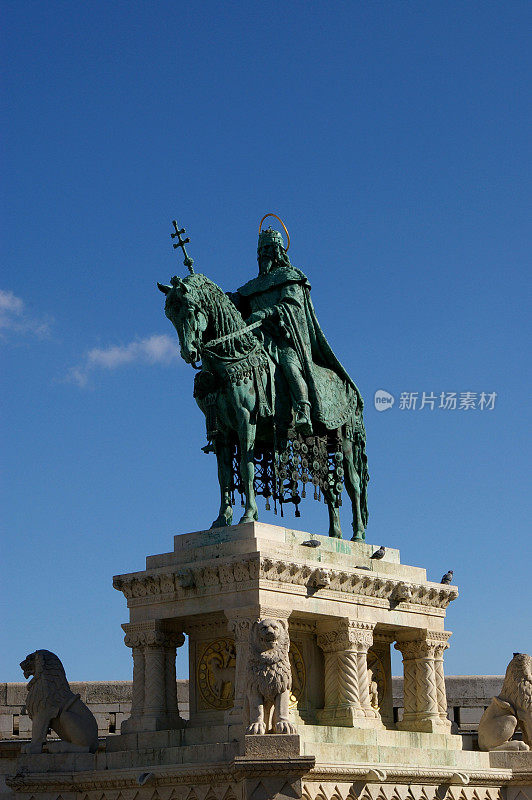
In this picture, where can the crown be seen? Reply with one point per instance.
(269, 236)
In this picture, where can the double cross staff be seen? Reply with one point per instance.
(181, 243)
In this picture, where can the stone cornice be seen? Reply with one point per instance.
(192, 580)
(171, 775)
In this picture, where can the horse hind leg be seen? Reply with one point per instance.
(247, 432)
(352, 485)
(335, 530)
(225, 474)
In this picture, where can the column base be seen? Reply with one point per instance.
(425, 724)
(349, 717)
(152, 722)
(234, 716)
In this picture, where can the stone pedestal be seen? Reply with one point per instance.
(342, 612)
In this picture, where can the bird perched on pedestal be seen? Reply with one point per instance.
(448, 577)
(380, 552)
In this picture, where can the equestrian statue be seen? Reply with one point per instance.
(282, 414)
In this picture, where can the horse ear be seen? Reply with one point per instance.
(164, 289)
(179, 284)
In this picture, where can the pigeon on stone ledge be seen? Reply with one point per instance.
(311, 543)
(448, 577)
(380, 552)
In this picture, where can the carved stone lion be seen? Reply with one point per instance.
(269, 678)
(52, 704)
(510, 709)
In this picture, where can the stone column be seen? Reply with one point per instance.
(239, 624)
(171, 681)
(137, 689)
(345, 644)
(440, 678)
(154, 691)
(424, 685)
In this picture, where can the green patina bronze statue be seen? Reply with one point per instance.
(281, 411)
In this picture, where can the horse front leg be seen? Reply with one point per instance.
(246, 433)
(335, 529)
(225, 474)
(352, 485)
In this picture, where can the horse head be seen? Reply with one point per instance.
(183, 309)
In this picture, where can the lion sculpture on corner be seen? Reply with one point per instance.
(269, 678)
(52, 704)
(512, 708)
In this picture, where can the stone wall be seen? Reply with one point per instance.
(110, 702)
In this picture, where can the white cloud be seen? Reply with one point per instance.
(14, 317)
(155, 349)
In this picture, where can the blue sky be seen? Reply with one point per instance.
(394, 140)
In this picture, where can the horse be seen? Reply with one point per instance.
(245, 400)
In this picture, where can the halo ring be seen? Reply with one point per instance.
(282, 223)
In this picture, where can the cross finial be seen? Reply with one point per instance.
(181, 243)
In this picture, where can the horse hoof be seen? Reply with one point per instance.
(221, 522)
(250, 517)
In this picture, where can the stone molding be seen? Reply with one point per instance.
(397, 791)
(319, 782)
(213, 627)
(142, 588)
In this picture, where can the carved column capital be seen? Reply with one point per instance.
(151, 634)
(425, 645)
(346, 635)
(239, 622)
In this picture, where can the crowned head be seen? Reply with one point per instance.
(271, 251)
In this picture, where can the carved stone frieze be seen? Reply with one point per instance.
(197, 579)
(315, 790)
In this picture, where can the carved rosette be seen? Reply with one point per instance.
(425, 701)
(215, 674)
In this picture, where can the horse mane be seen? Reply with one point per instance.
(224, 317)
